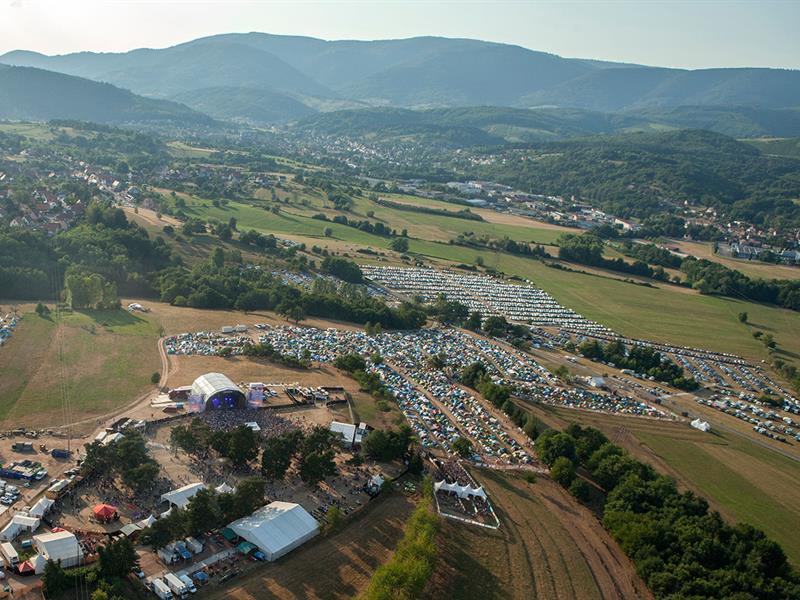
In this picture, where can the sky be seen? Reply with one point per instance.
(678, 33)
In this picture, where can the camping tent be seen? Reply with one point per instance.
(62, 546)
(104, 512)
(462, 491)
(180, 497)
(277, 528)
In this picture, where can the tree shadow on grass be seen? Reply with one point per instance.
(112, 318)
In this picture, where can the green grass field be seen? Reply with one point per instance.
(748, 483)
(108, 359)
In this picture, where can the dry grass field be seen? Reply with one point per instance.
(338, 566)
(547, 547)
(108, 358)
(742, 480)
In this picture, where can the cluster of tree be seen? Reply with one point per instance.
(681, 549)
(669, 225)
(505, 244)
(104, 579)
(475, 375)
(428, 210)
(105, 254)
(710, 277)
(207, 510)
(651, 254)
(207, 285)
(126, 458)
(639, 359)
(343, 268)
(449, 312)
(376, 228)
(368, 381)
(405, 575)
(266, 350)
(387, 445)
(240, 445)
(587, 249)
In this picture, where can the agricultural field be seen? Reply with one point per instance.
(547, 546)
(744, 481)
(109, 357)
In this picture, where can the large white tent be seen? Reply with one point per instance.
(462, 491)
(60, 546)
(180, 497)
(41, 507)
(18, 524)
(277, 528)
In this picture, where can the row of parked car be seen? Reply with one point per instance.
(10, 493)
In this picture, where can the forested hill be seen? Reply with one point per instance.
(641, 174)
(34, 94)
(421, 72)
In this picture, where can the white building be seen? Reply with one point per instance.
(277, 528)
(60, 546)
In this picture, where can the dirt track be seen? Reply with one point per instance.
(547, 547)
(337, 567)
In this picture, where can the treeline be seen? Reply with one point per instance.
(680, 548)
(412, 563)
(639, 359)
(429, 210)
(376, 228)
(505, 244)
(215, 285)
(651, 254)
(587, 249)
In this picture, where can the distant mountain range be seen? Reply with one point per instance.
(265, 78)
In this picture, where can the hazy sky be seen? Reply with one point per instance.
(690, 34)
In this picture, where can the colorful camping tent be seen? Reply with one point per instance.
(104, 512)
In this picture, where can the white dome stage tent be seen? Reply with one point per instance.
(277, 528)
(215, 391)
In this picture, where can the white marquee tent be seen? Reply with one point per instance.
(180, 497)
(462, 491)
(60, 546)
(18, 524)
(277, 528)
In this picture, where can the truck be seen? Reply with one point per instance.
(161, 589)
(195, 545)
(22, 447)
(60, 453)
(187, 581)
(178, 588)
(10, 555)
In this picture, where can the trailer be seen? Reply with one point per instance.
(187, 581)
(176, 585)
(161, 589)
(9, 554)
